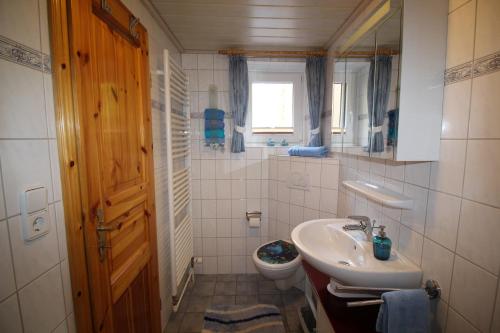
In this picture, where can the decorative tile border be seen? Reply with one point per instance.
(478, 67)
(458, 73)
(487, 64)
(23, 55)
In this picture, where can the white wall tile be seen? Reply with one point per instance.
(205, 61)
(329, 176)
(24, 163)
(34, 298)
(19, 20)
(443, 213)
(484, 116)
(224, 227)
(189, 61)
(205, 79)
(417, 173)
(328, 200)
(207, 169)
(437, 264)
(192, 80)
(221, 80)
(209, 227)
(479, 234)
(461, 35)
(55, 171)
(10, 319)
(254, 169)
(221, 62)
(457, 324)
(447, 174)
(33, 258)
(473, 293)
(66, 281)
(21, 117)
(483, 158)
(238, 264)
(456, 107)
(49, 104)
(209, 209)
(415, 217)
(209, 265)
(7, 283)
(487, 28)
(410, 244)
(209, 246)
(224, 265)
(208, 189)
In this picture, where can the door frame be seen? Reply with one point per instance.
(73, 170)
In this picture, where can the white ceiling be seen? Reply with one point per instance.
(258, 24)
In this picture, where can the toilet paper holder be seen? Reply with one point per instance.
(255, 214)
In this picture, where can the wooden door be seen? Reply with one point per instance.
(111, 84)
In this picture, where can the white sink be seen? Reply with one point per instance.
(347, 256)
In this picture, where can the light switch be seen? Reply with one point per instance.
(35, 213)
(36, 199)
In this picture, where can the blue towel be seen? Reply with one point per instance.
(216, 133)
(404, 311)
(214, 114)
(214, 124)
(308, 151)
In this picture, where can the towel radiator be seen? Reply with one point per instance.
(178, 177)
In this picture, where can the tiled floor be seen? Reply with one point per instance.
(234, 289)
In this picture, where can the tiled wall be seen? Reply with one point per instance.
(33, 274)
(290, 205)
(453, 232)
(227, 185)
(36, 274)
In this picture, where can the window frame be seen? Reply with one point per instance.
(276, 72)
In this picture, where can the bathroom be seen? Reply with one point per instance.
(431, 182)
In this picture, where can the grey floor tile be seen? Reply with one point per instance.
(271, 299)
(225, 288)
(268, 287)
(247, 277)
(246, 299)
(203, 288)
(174, 322)
(192, 322)
(223, 300)
(293, 300)
(246, 288)
(293, 321)
(199, 303)
(205, 277)
(227, 277)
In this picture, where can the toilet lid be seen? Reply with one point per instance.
(277, 252)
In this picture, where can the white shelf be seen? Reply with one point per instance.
(380, 194)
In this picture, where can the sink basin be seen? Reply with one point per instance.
(347, 256)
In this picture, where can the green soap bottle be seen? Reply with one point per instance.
(382, 245)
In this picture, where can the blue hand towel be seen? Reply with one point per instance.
(404, 311)
(216, 133)
(214, 124)
(214, 114)
(308, 151)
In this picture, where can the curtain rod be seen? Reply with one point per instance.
(274, 54)
(364, 54)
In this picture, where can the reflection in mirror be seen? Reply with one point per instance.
(365, 92)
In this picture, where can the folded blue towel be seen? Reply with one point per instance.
(214, 114)
(308, 151)
(217, 133)
(404, 311)
(214, 124)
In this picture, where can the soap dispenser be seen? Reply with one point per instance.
(382, 245)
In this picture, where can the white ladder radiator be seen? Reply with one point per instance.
(178, 177)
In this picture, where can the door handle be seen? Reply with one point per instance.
(102, 229)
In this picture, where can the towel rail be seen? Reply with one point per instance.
(431, 287)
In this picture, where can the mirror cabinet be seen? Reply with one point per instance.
(387, 88)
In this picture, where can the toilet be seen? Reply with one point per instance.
(279, 260)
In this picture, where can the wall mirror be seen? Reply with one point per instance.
(365, 92)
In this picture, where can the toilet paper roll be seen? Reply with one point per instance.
(254, 222)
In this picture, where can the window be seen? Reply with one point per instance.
(272, 107)
(276, 101)
(337, 101)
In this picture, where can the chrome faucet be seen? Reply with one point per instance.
(364, 225)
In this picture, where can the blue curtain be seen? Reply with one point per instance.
(379, 86)
(315, 74)
(238, 100)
